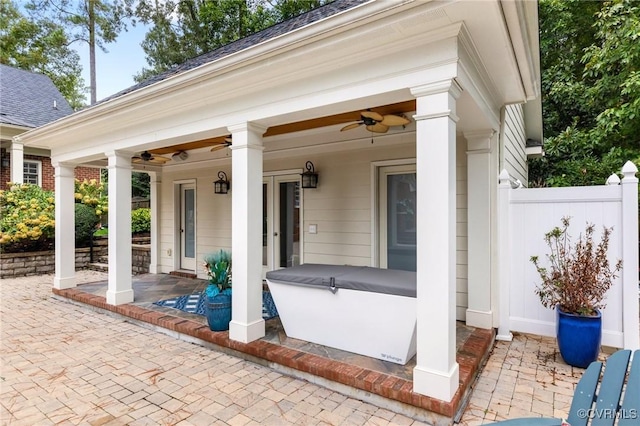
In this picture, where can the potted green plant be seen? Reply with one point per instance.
(574, 283)
(218, 292)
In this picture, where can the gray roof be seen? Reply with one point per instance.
(27, 99)
(287, 26)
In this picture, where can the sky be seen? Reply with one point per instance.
(115, 69)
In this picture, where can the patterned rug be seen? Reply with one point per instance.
(195, 304)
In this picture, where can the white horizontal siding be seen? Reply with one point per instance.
(341, 208)
(514, 143)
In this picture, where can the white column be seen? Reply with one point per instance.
(155, 180)
(17, 160)
(65, 226)
(120, 289)
(247, 324)
(504, 253)
(630, 307)
(481, 192)
(436, 373)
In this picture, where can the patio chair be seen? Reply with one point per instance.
(600, 406)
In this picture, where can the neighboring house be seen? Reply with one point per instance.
(29, 100)
(419, 196)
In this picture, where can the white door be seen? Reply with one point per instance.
(282, 222)
(397, 213)
(188, 227)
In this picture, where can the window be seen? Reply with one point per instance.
(32, 172)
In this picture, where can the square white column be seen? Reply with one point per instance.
(65, 226)
(120, 289)
(155, 180)
(247, 324)
(482, 184)
(629, 275)
(436, 373)
(17, 160)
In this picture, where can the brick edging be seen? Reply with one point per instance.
(385, 385)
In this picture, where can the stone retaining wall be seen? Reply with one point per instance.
(43, 262)
(141, 258)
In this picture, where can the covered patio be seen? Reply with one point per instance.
(382, 383)
(464, 76)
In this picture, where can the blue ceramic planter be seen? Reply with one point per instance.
(579, 337)
(219, 312)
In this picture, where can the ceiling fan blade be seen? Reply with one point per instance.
(136, 159)
(372, 115)
(219, 147)
(394, 120)
(350, 126)
(378, 128)
(159, 160)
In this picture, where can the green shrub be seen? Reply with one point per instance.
(86, 221)
(140, 221)
(27, 219)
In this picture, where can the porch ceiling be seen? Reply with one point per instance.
(314, 123)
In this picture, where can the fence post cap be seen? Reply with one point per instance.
(629, 169)
(504, 176)
(613, 180)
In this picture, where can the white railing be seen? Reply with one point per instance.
(525, 215)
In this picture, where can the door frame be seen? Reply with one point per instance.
(272, 179)
(376, 238)
(177, 237)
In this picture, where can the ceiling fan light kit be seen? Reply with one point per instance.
(180, 156)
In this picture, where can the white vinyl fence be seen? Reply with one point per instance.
(527, 214)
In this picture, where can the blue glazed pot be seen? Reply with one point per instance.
(579, 337)
(219, 312)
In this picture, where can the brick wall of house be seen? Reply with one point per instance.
(48, 180)
(5, 172)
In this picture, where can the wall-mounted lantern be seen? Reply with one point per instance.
(221, 186)
(310, 177)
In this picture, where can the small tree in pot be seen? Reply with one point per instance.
(575, 284)
(218, 292)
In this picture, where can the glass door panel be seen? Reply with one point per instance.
(289, 225)
(397, 212)
(188, 228)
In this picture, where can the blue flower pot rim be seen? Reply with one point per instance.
(569, 314)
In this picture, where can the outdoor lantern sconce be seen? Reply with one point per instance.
(221, 186)
(310, 177)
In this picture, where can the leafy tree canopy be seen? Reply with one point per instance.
(41, 46)
(94, 22)
(590, 58)
(183, 29)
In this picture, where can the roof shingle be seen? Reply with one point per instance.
(29, 99)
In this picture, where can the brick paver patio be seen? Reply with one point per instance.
(64, 364)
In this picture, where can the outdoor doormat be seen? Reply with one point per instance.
(194, 304)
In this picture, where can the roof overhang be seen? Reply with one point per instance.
(9, 131)
(361, 57)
